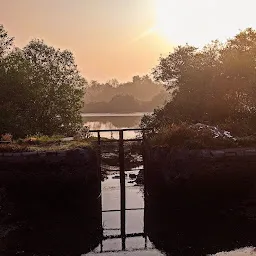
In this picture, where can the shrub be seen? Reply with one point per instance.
(6, 137)
(191, 137)
(83, 133)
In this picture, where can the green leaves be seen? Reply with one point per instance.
(41, 91)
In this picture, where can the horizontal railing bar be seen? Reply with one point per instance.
(128, 209)
(127, 235)
(116, 140)
(126, 170)
(111, 211)
(134, 209)
(128, 250)
(125, 129)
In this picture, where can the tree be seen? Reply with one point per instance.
(216, 84)
(5, 41)
(43, 88)
(113, 82)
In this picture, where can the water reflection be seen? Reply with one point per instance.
(170, 232)
(113, 121)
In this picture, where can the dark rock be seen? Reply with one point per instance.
(132, 176)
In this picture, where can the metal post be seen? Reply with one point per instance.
(145, 184)
(99, 179)
(122, 186)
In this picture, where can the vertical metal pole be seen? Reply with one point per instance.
(100, 190)
(145, 184)
(122, 186)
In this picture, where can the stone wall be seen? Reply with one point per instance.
(49, 202)
(201, 201)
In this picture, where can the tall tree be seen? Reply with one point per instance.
(216, 84)
(42, 91)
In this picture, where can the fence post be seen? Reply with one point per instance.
(122, 186)
(144, 154)
(99, 180)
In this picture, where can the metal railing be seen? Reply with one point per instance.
(123, 208)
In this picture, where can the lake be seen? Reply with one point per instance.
(107, 121)
(134, 196)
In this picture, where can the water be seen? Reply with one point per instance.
(134, 197)
(107, 121)
(134, 218)
(134, 222)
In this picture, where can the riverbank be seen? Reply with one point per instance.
(48, 203)
(201, 201)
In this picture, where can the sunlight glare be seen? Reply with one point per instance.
(166, 20)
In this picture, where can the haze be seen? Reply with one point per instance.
(123, 38)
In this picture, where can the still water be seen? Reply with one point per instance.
(134, 198)
(134, 222)
(107, 121)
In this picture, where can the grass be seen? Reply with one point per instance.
(44, 143)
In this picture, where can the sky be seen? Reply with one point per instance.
(123, 38)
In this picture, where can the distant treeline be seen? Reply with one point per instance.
(141, 94)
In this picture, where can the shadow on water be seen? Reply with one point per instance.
(201, 216)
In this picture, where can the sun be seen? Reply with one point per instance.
(166, 23)
(179, 22)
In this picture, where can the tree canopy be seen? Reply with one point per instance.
(41, 90)
(214, 85)
(5, 41)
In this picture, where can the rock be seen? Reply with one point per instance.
(132, 176)
(140, 178)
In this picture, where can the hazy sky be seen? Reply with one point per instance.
(122, 38)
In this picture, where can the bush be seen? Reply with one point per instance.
(83, 133)
(6, 137)
(191, 137)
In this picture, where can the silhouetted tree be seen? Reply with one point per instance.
(41, 91)
(5, 41)
(215, 85)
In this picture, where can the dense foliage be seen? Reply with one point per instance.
(215, 85)
(41, 89)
